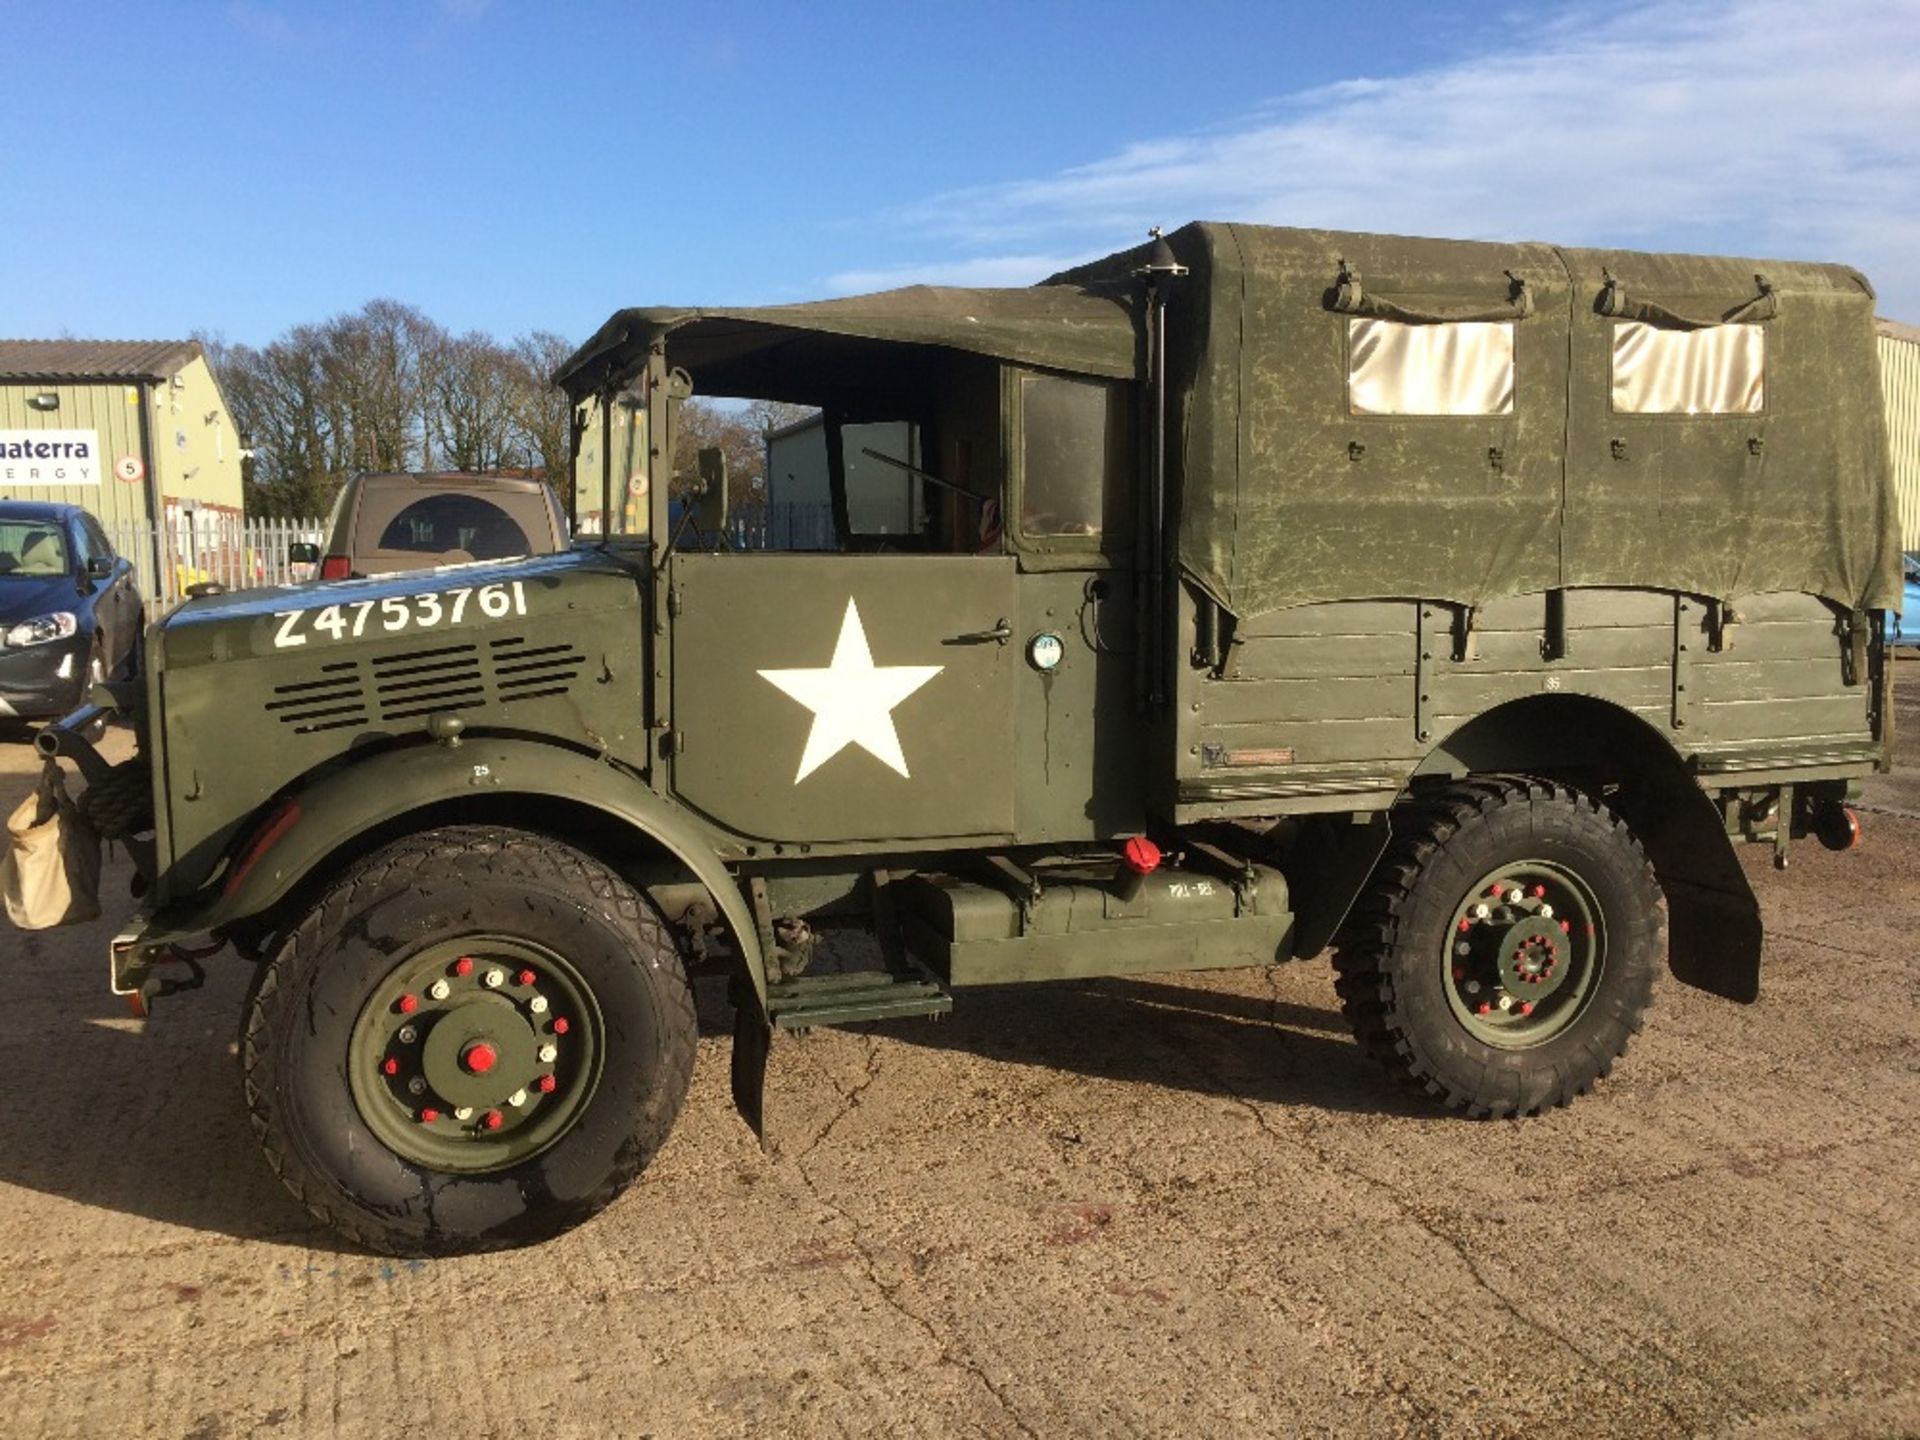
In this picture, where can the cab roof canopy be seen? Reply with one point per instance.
(1292, 491)
(775, 351)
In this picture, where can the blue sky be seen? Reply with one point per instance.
(242, 167)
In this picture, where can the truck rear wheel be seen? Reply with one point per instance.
(1506, 954)
(475, 1040)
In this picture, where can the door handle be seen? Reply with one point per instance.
(1000, 634)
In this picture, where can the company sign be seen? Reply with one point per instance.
(49, 457)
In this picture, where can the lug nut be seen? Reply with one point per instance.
(538, 1004)
(517, 1099)
(546, 1084)
(1473, 987)
(493, 1119)
(1515, 896)
(416, 1086)
(1480, 912)
(429, 1115)
(408, 1034)
(1506, 1002)
(549, 1054)
(560, 1026)
(389, 1067)
(1546, 912)
(439, 990)
(463, 966)
(526, 977)
(495, 979)
(463, 1112)
(409, 1004)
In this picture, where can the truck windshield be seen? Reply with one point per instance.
(610, 484)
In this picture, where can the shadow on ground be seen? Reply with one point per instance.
(145, 1124)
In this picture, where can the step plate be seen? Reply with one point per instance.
(846, 999)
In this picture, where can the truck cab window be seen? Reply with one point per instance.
(1073, 456)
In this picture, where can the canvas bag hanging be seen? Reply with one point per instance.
(50, 873)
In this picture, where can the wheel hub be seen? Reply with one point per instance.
(475, 1055)
(1523, 950)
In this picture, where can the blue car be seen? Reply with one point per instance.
(70, 611)
(1904, 628)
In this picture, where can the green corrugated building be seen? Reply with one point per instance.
(136, 431)
(1900, 378)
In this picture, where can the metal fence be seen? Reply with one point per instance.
(195, 548)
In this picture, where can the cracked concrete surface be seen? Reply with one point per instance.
(1172, 1206)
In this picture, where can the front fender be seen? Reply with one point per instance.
(322, 819)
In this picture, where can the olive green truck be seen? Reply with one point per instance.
(1456, 606)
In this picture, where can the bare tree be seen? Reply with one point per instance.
(541, 409)
(475, 387)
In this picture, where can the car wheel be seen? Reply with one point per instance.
(476, 1039)
(1506, 954)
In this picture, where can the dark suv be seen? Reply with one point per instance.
(383, 524)
(70, 612)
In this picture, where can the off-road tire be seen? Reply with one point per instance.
(1390, 960)
(430, 889)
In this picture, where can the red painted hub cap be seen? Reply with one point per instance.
(480, 1057)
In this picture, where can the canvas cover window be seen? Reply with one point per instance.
(1720, 370)
(1456, 369)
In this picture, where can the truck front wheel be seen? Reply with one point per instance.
(1506, 953)
(476, 1039)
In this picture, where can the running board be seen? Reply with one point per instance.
(845, 999)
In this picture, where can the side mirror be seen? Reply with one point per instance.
(303, 553)
(710, 508)
(100, 567)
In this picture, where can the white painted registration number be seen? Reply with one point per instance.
(399, 612)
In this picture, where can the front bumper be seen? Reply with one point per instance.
(42, 680)
(144, 949)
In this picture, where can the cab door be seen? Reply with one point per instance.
(845, 697)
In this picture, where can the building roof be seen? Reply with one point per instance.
(95, 359)
(1894, 330)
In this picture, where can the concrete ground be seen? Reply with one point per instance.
(1182, 1206)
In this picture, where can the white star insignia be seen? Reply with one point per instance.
(852, 699)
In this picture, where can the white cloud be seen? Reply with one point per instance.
(1766, 127)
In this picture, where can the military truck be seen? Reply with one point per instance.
(1456, 606)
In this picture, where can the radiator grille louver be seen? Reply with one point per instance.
(422, 681)
(415, 684)
(333, 700)
(526, 672)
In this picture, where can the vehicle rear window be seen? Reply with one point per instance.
(458, 524)
(32, 547)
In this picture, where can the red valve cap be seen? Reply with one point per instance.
(463, 966)
(409, 1004)
(492, 1120)
(1142, 855)
(427, 1117)
(560, 1026)
(389, 1067)
(526, 977)
(546, 1084)
(480, 1057)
